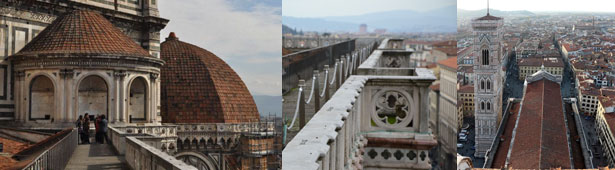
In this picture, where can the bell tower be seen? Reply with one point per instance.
(487, 32)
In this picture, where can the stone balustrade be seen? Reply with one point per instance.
(141, 156)
(309, 42)
(194, 136)
(375, 120)
(166, 133)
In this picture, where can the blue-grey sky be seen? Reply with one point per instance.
(541, 5)
(323, 8)
(244, 33)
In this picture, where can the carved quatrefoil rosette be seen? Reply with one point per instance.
(393, 109)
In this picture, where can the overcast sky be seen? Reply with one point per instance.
(322, 8)
(541, 5)
(244, 33)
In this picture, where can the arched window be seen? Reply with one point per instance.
(488, 105)
(485, 57)
(482, 105)
(482, 84)
(488, 85)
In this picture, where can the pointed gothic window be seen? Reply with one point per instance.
(485, 57)
(482, 105)
(488, 105)
(488, 85)
(482, 84)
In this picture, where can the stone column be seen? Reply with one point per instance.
(120, 97)
(20, 113)
(151, 99)
(424, 109)
(65, 83)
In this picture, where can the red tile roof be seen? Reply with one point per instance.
(11, 147)
(199, 87)
(435, 87)
(82, 32)
(537, 62)
(489, 17)
(450, 63)
(499, 160)
(466, 89)
(540, 138)
(447, 51)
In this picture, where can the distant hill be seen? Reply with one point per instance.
(268, 104)
(494, 12)
(288, 30)
(438, 20)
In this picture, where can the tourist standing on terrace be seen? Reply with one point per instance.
(97, 127)
(86, 129)
(103, 129)
(79, 125)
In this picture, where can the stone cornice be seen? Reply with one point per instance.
(88, 61)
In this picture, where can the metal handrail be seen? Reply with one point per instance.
(57, 156)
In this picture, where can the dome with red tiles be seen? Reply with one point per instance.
(82, 32)
(199, 87)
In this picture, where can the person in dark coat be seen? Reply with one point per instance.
(86, 129)
(97, 127)
(79, 125)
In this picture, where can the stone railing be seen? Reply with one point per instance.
(56, 156)
(375, 120)
(333, 78)
(392, 44)
(323, 143)
(166, 133)
(141, 156)
(309, 42)
(193, 135)
(300, 65)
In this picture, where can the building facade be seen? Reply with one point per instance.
(434, 106)
(487, 32)
(466, 96)
(529, 66)
(448, 112)
(605, 127)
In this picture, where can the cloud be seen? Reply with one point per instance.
(244, 33)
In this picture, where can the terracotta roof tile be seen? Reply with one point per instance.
(82, 32)
(539, 141)
(199, 87)
(466, 89)
(450, 63)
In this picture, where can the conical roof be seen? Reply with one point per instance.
(82, 32)
(199, 87)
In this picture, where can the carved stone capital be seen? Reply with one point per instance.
(153, 76)
(67, 73)
(120, 74)
(20, 74)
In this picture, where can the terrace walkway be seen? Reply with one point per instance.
(96, 156)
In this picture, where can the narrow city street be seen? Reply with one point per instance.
(468, 146)
(513, 87)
